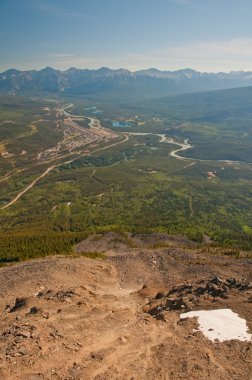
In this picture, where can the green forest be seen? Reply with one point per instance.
(133, 185)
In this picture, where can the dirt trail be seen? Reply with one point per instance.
(10, 174)
(76, 318)
(48, 170)
(28, 188)
(96, 126)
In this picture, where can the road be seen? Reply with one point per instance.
(27, 188)
(95, 124)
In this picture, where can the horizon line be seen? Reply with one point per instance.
(130, 71)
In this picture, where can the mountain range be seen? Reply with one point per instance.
(105, 81)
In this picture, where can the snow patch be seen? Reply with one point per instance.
(222, 324)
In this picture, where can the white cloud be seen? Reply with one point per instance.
(183, 2)
(46, 7)
(241, 47)
(61, 55)
(210, 56)
(213, 56)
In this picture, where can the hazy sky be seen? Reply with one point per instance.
(205, 35)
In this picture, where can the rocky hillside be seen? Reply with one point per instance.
(119, 318)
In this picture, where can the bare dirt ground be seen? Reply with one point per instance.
(118, 318)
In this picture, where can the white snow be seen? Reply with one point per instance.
(221, 324)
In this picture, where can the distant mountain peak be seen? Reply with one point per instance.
(48, 68)
(118, 82)
(104, 70)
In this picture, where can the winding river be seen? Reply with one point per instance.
(183, 146)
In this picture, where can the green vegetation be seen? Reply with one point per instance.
(26, 128)
(135, 186)
(93, 255)
(29, 245)
(218, 123)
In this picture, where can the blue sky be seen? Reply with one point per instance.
(206, 35)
